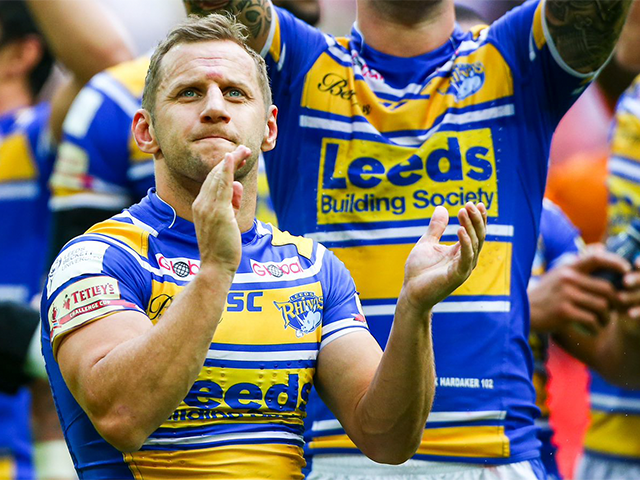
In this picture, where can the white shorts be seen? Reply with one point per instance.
(593, 467)
(359, 467)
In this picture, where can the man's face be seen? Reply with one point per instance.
(208, 102)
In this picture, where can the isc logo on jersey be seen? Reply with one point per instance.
(366, 181)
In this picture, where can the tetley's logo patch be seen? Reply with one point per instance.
(303, 312)
(466, 80)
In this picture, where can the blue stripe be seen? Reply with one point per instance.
(223, 429)
(338, 60)
(253, 365)
(264, 348)
(401, 241)
(200, 446)
(329, 335)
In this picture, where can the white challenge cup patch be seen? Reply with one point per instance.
(79, 259)
(83, 301)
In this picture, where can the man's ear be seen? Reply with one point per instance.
(25, 54)
(270, 130)
(143, 132)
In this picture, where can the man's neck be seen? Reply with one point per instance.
(397, 38)
(14, 96)
(181, 197)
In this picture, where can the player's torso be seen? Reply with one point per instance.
(615, 412)
(243, 417)
(374, 162)
(25, 164)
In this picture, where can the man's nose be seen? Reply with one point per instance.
(215, 107)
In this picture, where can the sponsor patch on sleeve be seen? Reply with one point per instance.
(82, 302)
(79, 259)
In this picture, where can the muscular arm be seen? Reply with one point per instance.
(383, 401)
(586, 31)
(628, 52)
(129, 376)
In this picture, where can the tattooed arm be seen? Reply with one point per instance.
(585, 31)
(256, 15)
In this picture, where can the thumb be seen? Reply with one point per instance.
(437, 226)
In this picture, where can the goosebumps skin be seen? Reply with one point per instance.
(586, 32)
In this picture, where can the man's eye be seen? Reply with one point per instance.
(235, 92)
(189, 93)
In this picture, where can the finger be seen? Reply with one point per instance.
(478, 221)
(467, 224)
(584, 320)
(224, 192)
(629, 298)
(467, 252)
(631, 280)
(239, 156)
(437, 225)
(596, 259)
(598, 306)
(236, 199)
(595, 286)
(483, 211)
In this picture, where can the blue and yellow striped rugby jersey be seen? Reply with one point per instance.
(374, 143)
(559, 242)
(614, 430)
(99, 164)
(243, 417)
(26, 159)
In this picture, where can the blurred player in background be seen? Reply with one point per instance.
(583, 314)
(405, 114)
(27, 150)
(612, 443)
(99, 169)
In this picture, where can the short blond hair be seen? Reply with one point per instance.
(194, 29)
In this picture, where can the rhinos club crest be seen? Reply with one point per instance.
(466, 79)
(303, 312)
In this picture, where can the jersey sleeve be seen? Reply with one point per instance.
(98, 162)
(290, 51)
(89, 280)
(561, 238)
(624, 162)
(342, 309)
(523, 37)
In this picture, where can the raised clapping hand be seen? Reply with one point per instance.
(434, 270)
(214, 214)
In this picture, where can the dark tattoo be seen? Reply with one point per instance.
(254, 14)
(585, 31)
